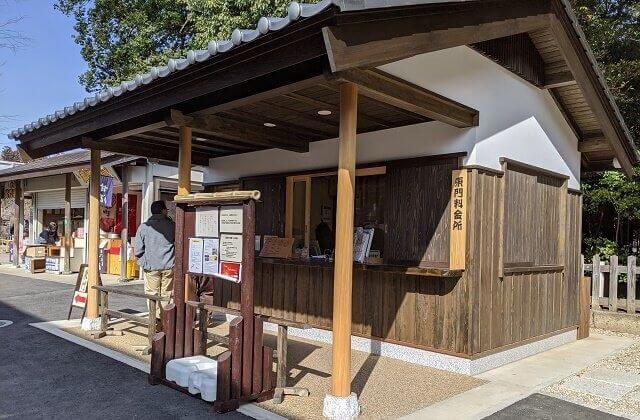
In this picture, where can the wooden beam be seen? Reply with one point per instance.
(556, 80)
(394, 91)
(357, 42)
(137, 130)
(184, 161)
(594, 145)
(203, 138)
(94, 235)
(124, 233)
(166, 140)
(250, 134)
(18, 223)
(137, 148)
(343, 267)
(594, 94)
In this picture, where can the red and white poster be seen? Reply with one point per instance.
(80, 294)
(230, 271)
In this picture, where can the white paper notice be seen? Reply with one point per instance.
(231, 219)
(207, 222)
(211, 259)
(195, 255)
(231, 248)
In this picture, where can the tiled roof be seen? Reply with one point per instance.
(63, 160)
(295, 11)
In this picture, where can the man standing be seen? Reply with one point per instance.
(154, 249)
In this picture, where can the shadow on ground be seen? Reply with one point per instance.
(44, 376)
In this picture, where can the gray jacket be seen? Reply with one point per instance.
(153, 245)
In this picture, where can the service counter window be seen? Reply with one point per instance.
(401, 207)
(311, 211)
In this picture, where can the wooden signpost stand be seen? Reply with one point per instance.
(244, 371)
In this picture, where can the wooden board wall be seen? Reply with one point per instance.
(519, 306)
(418, 211)
(270, 217)
(425, 312)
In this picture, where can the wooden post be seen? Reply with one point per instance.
(184, 161)
(67, 223)
(104, 303)
(613, 283)
(631, 284)
(152, 320)
(247, 299)
(596, 279)
(281, 374)
(18, 223)
(343, 270)
(584, 310)
(94, 234)
(124, 234)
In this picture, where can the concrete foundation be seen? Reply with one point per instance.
(434, 359)
(341, 408)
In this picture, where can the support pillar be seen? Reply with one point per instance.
(124, 233)
(91, 320)
(180, 287)
(343, 404)
(18, 224)
(184, 161)
(67, 223)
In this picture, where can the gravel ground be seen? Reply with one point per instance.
(387, 388)
(625, 362)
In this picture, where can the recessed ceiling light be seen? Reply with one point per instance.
(324, 112)
(268, 124)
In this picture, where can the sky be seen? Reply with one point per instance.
(42, 76)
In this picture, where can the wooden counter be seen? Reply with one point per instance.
(410, 270)
(389, 303)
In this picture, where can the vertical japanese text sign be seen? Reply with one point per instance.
(458, 239)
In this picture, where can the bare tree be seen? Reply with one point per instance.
(11, 40)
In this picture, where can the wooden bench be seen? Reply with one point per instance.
(106, 313)
(280, 354)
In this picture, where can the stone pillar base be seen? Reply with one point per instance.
(341, 408)
(90, 324)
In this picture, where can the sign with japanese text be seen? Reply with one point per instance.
(458, 223)
(106, 191)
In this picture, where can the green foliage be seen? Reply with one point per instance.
(612, 28)
(603, 247)
(611, 200)
(122, 38)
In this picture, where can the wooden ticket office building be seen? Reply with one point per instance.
(458, 130)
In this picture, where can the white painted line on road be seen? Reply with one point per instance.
(5, 323)
(55, 328)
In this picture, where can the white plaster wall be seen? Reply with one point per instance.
(517, 120)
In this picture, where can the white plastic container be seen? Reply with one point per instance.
(179, 370)
(205, 382)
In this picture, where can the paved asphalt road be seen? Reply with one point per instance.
(43, 376)
(543, 407)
